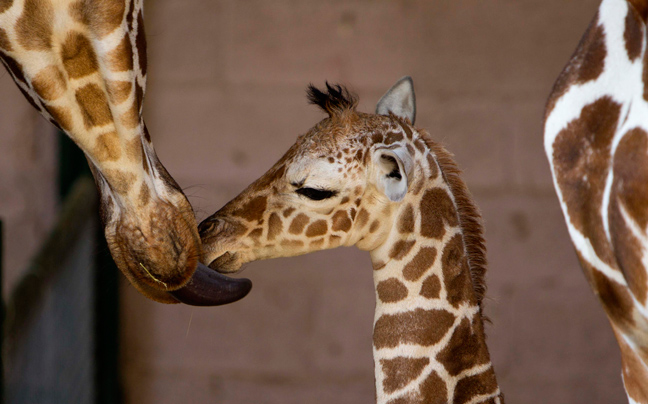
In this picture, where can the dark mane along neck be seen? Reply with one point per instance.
(470, 219)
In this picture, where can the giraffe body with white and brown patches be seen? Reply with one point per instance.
(82, 64)
(596, 139)
(375, 181)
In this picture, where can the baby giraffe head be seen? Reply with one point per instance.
(376, 182)
(340, 184)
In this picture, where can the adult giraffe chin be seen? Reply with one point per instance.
(596, 139)
(82, 64)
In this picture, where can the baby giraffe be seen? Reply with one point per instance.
(377, 182)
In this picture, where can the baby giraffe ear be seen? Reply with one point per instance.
(392, 168)
(399, 100)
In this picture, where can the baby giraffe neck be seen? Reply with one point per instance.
(428, 341)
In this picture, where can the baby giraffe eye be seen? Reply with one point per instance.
(316, 194)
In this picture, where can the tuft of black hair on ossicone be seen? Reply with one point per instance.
(336, 99)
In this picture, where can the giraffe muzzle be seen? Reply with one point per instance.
(209, 288)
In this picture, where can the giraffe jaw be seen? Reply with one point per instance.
(227, 262)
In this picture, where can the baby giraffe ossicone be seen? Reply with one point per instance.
(377, 182)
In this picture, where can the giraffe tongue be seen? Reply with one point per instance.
(209, 288)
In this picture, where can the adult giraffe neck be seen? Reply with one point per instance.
(429, 342)
(83, 65)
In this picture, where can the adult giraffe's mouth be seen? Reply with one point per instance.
(209, 288)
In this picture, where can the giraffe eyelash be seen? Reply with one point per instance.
(316, 194)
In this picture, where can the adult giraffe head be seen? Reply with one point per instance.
(377, 182)
(82, 64)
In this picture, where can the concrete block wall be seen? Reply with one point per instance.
(28, 188)
(226, 99)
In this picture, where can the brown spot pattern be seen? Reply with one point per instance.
(107, 147)
(629, 192)
(410, 149)
(5, 4)
(256, 233)
(480, 384)
(317, 243)
(406, 129)
(102, 16)
(298, 223)
(62, 116)
(119, 91)
(139, 96)
(131, 117)
(434, 390)
(77, 12)
(120, 59)
(317, 228)
(391, 290)
(634, 372)
(615, 298)
(593, 59)
(275, 226)
(374, 226)
(292, 243)
(431, 287)
(253, 209)
(436, 210)
(34, 27)
(418, 326)
(106, 15)
(49, 83)
(4, 40)
(401, 248)
(420, 145)
(433, 166)
(466, 348)
(363, 218)
(134, 150)
(378, 265)
(645, 76)
(288, 212)
(586, 64)
(140, 42)
(78, 56)
(421, 262)
(641, 7)
(401, 371)
(341, 221)
(581, 159)
(334, 240)
(456, 274)
(633, 34)
(406, 220)
(120, 181)
(94, 106)
(393, 137)
(144, 195)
